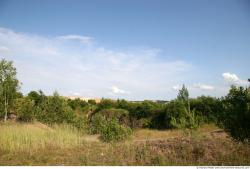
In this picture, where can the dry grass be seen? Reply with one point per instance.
(151, 135)
(23, 137)
(36, 144)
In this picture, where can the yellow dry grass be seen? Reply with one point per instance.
(21, 137)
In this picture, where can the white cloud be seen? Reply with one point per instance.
(177, 87)
(82, 39)
(203, 87)
(50, 63)
(230, 77)
(234, 79)
(116, 90)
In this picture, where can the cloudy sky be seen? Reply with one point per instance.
(133, 49)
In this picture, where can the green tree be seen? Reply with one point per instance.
(237, 113)
(183, 96)
(9, 85)
(178, 113)
(37, 97)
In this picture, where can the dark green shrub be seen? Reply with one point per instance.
(113, 132)
(206, 107)
(237, 113)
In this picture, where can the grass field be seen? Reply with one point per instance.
(38, 144)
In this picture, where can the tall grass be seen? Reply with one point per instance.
(30, 137)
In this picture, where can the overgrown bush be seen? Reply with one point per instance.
(97, 124)
(113, 131)
(25, 109)
(99, 119)
(119, 114)
(237, 113)
(55, 109)
(207, 108)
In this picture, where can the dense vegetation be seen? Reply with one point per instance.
(114, 120)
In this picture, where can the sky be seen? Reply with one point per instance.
(131, 49)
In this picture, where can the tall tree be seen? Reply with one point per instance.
(8, 85)
(183, 96)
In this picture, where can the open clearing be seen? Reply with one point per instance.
(38, 144)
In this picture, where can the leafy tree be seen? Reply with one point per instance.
(237, 113)
(9, 85)
(37, 97)
(183, 96)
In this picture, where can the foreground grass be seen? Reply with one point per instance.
(37, 144)
(16, 137)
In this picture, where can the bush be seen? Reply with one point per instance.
(80, 122)
(113, 131)
(206, 107)
(178, 116)
(119, 114)
(24, 108)
(54, 109)
(237, 113)
(97, 124)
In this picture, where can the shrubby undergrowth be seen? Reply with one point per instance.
(114, 119)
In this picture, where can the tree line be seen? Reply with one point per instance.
(116, 119)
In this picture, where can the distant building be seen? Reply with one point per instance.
(97, 100)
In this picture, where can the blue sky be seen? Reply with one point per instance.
(132, 49)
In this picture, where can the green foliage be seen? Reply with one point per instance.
(207, 108)
(99, 119)
(8, 86)
(183, 94)
(55, 109)
(77, 104)
(37, 97)
(92, 102)
(106, 104)
(97, 124)
(237, 113)
(25, 109)
(80, 122)
(113, 131)
(178, 113)
(119, 114)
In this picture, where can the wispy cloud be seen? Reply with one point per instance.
(51, 63)
(204, 87)
(232, 78)
(4, 49)
(82, 39)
